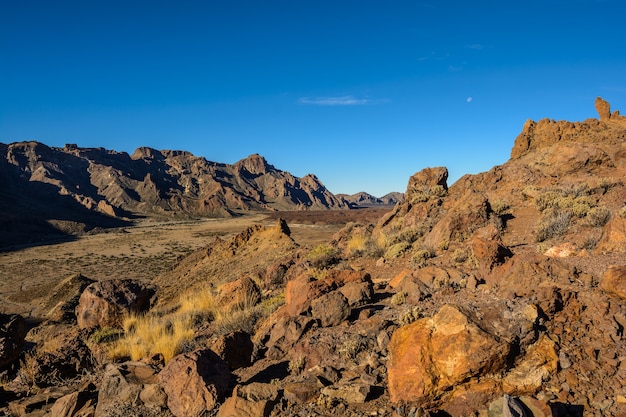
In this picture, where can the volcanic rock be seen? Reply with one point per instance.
(195, 382)
(105, 303)
(433, 354)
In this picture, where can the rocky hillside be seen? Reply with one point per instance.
(363, 199)
(70, 189)
(501, 295)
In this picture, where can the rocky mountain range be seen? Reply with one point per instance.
(503, 294)
(72, 189)
(363, 199)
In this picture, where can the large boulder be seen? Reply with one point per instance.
(432, 355)
(12, 333)
(195, 382)
(106, 303)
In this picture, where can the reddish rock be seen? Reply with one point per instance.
(330, 309)
(106, 303)
(301, 291)
(358, 293)
(411, 285)
(194, 382)
(614, 281)
(235, 348)
(488, 249)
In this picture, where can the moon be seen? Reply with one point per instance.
(469, 99)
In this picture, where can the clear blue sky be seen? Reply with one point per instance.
(361, 93)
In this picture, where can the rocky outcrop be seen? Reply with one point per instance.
(106, 303)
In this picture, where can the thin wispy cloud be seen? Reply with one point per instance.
(476, 46)
(338, 101)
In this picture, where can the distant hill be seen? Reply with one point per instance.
(363, 199)
(72, 189)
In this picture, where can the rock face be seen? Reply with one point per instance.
(194, 382)
(105, 303)
(96, 187)
(12, 333)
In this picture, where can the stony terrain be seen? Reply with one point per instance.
(500, 295)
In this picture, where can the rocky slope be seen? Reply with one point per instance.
(72, 189)
(501, 295)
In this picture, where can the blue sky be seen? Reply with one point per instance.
(361, 93)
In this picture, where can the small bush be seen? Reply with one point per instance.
(396, 250)
(580, 210)
(351, 348)
(105, 335)
(599, 216)
(554, 223)
(622, 212)
(460, 255)
(547, 199)
(420, 257)
(323, 256)
(411, 315)
(296, 365)
(398, 298)
(499, 206)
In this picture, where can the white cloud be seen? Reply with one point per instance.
(338, 101)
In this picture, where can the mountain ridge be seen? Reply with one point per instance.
(96, 187)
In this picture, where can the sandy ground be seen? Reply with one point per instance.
(140, 252)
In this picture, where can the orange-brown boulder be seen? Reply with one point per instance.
(488, 249)
(614, 280)
(301, 291)
(106, 303)
(195, 382)
(431, 355)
